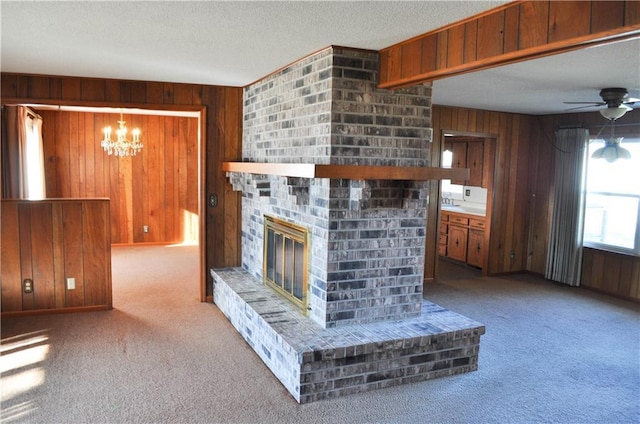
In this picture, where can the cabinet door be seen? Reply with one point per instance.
(442, 245)
(459, 158)
(444, 228)
(475, 157)
(475, 249)
(457, 243)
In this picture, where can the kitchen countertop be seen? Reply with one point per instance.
(463, 209)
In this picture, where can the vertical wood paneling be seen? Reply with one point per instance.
(45, 242)
(511, 29)
(603, 271)
(10, 260)
(491, 35)
(470, 41)
(509, 229)
(96, 252)
(233, 122)
(42, 254)
(455, 46)
(611, 273)
(58, 253)
(73, 247)
(631, 12)
(26, 257)
(172, 202)
(442, 39)
(412, 53)
(534, 28)
(161, 95)
(74, 164)
(141, 188)
(70, 89)
(568, 19)
(606, 15)
(92, 89)
(154, 160)
(429, 54)
(510, 33)
(89, 151)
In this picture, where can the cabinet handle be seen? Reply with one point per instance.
(478, 247)
(457, 242)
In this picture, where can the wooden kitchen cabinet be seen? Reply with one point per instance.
(475, 157)
(442, 245)
(462, 238)
(457, 242)
(468, 154)
(475, 250)
(459, 158)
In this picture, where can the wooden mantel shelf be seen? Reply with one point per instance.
(351, 172)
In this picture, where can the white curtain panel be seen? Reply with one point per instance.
(564, 253)
(22, 155)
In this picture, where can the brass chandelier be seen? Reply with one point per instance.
(121, 146)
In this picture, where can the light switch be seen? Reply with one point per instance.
(71, 283)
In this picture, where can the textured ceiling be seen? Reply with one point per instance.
(207, 42)
(237, 42)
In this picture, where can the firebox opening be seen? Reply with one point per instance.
(285, 260)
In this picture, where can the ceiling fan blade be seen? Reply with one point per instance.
(630, 101)
(584, 107)
(586, 103)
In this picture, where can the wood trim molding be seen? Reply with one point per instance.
(519, 31)
(352, 172)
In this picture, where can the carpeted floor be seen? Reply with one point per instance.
(551, 354)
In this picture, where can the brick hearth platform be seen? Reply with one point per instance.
(315, 363)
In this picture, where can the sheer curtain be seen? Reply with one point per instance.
(564, 252)
(23, 155)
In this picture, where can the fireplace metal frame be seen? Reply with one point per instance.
(298, 234)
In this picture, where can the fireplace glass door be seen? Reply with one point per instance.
(285, 259)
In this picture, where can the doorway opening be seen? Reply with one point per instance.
(155, 196)
(464, 206)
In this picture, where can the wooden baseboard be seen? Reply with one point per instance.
(55, 311)
(145, 243)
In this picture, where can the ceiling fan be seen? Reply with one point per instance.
(616, 99)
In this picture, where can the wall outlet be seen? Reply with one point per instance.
(145, 228)
(512, 255)
(71, 283)
(27, 285)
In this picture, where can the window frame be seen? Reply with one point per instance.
(635, 251)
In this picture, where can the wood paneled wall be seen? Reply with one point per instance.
(157, 188)
(611, 273)
(508, 202)
(514, 32)
(221, 131)
(49, 241)
(601, 270)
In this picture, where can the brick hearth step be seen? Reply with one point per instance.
(315, 363)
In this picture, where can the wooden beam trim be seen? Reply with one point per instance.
(517, 56)
(352, 172)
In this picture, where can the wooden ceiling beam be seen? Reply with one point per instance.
(512, 33)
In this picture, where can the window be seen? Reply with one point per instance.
(613, 200)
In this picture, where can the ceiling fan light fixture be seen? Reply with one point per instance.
(613, 113)
(611, 151)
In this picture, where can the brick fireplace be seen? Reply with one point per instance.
(368, 325)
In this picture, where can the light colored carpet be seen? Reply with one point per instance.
(550, 354)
